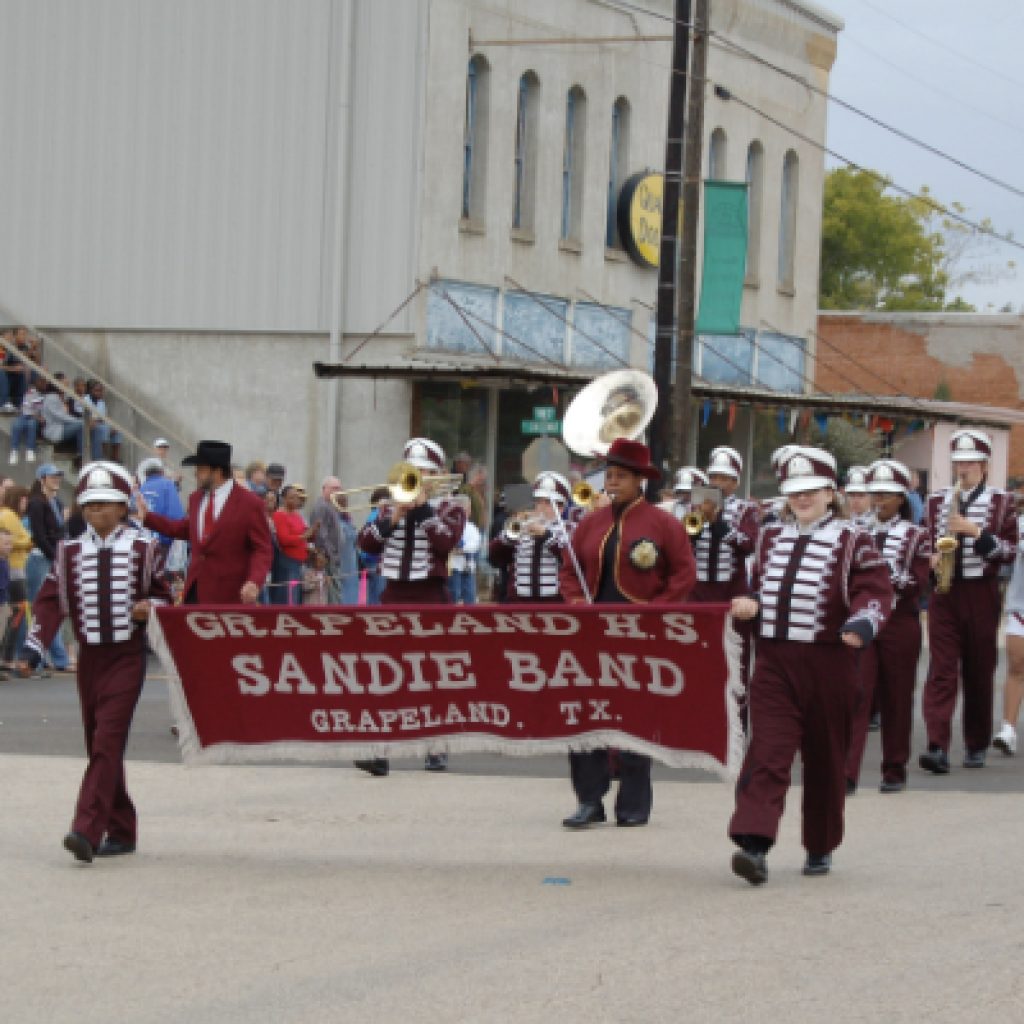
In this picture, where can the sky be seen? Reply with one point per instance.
(948, 73)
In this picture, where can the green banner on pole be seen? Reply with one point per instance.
(725, 257)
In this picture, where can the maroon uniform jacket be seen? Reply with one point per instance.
(96, 585)
(417, 547)
(721, 550)
(991, 509)
(237, 551)
(654, 560)
(906, 551)
(813, 586)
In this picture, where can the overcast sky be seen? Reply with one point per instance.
(950, 74)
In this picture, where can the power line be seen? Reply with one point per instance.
(943, 46)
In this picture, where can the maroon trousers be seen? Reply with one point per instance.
(109, 683)
(802, 698)
(888, 670)
(962, 628)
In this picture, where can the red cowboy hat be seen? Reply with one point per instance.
(634, 456)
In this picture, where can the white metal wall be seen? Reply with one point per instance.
(163, 163)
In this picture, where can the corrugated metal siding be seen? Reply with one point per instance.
(163, 163)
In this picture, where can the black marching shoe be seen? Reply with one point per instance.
(891, 786)
(851, 787)
(818, 864)
(374, 766)
(75, 843)
(586, 814)
(934, 761)
(630, 821)
(974, 759)
(111, 847)
(436, 763)
(750, 865)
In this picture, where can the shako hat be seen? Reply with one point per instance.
(104, 481)
(887, 476)
(970, 445)
(424, 454)
(807, 469)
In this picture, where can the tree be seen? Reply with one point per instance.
(878, 251)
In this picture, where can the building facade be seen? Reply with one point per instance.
(210, 197)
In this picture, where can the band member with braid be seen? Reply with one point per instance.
(858, 500)
(531, 546)
(626, 551)
(1013, 693)
(963, 623)
(889, 665)
(414, 540)
(105, 582)
(822, 592)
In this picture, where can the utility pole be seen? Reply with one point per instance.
(686, 298)
(663, 419)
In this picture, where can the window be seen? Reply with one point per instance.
(526, 153)
(474, 170)
(618, 165)
(462, 317)
(573, 162)
(539, 322)
(716, 155)
(787, 221)
(755, 190)
(601, 336)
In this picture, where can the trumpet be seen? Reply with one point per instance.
(525, 526)
(405, 483)
(693, 522)
(584, 494)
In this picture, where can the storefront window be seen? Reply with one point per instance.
(468, 328)
(453, 416)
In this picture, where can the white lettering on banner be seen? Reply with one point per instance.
(331, 622)
(568, 666)
(658, 685)
(238, 624)
(623, 625)
(377, 663)
(418, 629)
(409, 719)
(570, 709)
(253, 681)
(380, 624)
(340, 672)
(451, 671)
(291, 672)
(527, 674)
(618, 669)
(288, 625)
(679, 627)
(204, 626)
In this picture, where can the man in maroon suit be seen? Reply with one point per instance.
(227, 528)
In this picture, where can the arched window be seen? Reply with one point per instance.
(526, 153)
(618, 168)
(716, 155)
(787, 220)
(474, 168)
(573, 164)
(755, 191)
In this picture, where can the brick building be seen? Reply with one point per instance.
(969, 359)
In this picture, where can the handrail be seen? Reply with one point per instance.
(70, 393)
(161, 429)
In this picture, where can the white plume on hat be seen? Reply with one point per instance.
(726, 461)
(689, 477)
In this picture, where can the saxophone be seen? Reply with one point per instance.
(946, 547)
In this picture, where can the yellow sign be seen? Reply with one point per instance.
(640, 207)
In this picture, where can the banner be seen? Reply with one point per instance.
(725, 257)
(323, 683)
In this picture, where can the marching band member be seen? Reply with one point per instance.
(858, 500)
(889, 665)
(627, 551)
(963, 623)
(823, 592)
(686, 479)
(726, 541)
(777, 510)
(532, 547)
(414, 540)
(105, 582)
(1006, 738)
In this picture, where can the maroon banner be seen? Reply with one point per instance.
(322, 683)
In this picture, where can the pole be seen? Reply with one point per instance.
(667, 263)
(686, 298)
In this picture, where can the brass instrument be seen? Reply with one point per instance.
(616, 404)
(525, 526)
(945, 548)
(693, 522)
(583, 494)
(406, 483)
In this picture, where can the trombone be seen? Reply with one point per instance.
(405, 484)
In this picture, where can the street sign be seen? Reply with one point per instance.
(538, 428)
(545, 412)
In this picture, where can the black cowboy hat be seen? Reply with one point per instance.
(215, 454)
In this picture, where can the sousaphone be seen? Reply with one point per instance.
(616, 404)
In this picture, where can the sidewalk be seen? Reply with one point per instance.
(279, 894)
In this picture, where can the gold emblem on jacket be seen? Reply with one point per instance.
(643, 554)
